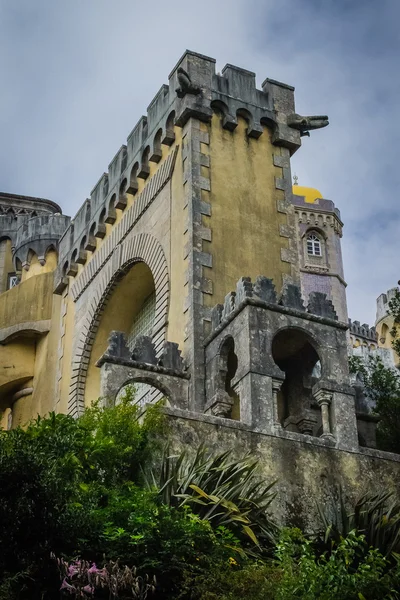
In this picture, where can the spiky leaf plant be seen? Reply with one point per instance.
(375, 516)
(227, 492)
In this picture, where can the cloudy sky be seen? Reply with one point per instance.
(77, 74)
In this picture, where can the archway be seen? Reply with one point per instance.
(135, 248)
(294, 352)
(130, 308)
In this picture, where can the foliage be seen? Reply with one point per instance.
(375, 516)
(382, 385)
(394, 309)
(226, 492)
(81, 579)
(54, 475)
(350, 571)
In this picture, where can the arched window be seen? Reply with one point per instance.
(314, 247)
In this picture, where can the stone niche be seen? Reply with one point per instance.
(165, 374)
(280, 367)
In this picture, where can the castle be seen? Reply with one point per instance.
(196, 271)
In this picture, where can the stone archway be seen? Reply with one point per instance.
(136, 248)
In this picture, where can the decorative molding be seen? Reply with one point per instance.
(136, 248)
(129, 220)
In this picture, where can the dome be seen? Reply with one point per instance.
(310, 194)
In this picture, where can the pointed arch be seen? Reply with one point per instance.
(138, 248)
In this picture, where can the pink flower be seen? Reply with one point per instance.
(88, 589)
(72, 570)
(93, 569)
(67, 586)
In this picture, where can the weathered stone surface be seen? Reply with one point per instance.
(171, 357)
(318, 304)
(144, 350)
(216, 316)
(117, 345)
(244, 289)
(229, 305)
(264, 289)
(291, 297)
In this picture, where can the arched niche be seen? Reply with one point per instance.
(295, 353)
(141, 391)
(228, 366)
(131, 309)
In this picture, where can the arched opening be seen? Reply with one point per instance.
(156, 155)
(131, 309)
(140, 393)
(295, 354)
(133, 182)
(122, 200)
(229, 365)
(111, 213)
(169, 136)
(383, 336)
(315, 248)
(145, 167)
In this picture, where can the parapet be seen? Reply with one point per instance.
(37, 236)
(194, 90)
(382, 303)
(363, 331)
(262, 293)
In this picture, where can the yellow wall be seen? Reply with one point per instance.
(244, 222)
(31, 300)
(17, 361)
(122, 307)
(36, 268)
(385, 339)
(6, 263)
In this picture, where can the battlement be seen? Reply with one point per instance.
(262, 293)
(382, 303)
(38, 235)
(363, 331)
(194, 90)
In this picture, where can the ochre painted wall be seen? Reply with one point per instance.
(122, 307)
(31, 300)
(244, 221)
(6, 263)
(17, 360)
(36, 268)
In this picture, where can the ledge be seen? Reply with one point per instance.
(31, 327)
(27, 304)
(298, 438)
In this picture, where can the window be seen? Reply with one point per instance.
(144, 320)
(13, 280)
(314, 245)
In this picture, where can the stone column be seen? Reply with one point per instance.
(324, 400)
(276, 387)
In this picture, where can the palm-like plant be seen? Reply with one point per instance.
(223, 491)
(376, 516)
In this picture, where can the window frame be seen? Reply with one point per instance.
(314, 243)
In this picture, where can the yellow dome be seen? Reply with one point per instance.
(310, 194)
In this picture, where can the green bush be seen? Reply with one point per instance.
(348, 572)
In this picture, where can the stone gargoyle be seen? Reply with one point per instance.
(186, 85)
(306, 124)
